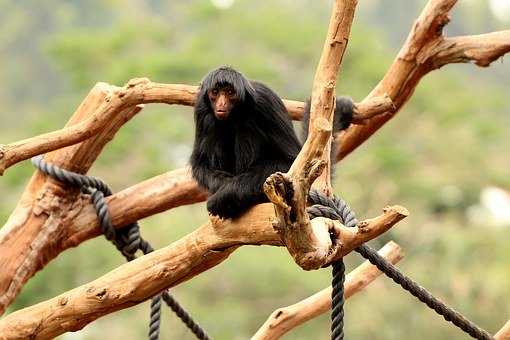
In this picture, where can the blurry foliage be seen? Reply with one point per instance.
(451, 137)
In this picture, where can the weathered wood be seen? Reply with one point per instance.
(138, 280)
(283, 320)
(322, 103)
(310, 246)
(34, 232)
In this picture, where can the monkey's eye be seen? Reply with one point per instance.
(231, 92)
(214, 92)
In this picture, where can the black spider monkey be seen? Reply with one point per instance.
(243, 134)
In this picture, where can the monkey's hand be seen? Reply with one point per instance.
(224, 203)
(231, 201)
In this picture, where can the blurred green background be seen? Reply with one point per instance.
(442, 157)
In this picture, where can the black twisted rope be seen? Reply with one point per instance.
(338, 209)
(324, 206)
(337, 301)
(127, 240)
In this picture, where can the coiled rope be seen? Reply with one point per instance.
(338, 209)
(127, 240)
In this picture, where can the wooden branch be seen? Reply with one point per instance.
(33, 233)
(312, 247)
(282, 320)
(322, 104)
(503, 333)
(371, 108)
(425, 50)
(155, 195)
(136, 281)
(138, 91)
(480, 49)
(322, 241)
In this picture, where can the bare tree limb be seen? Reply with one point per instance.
(481, 49)
(282, 320)
(310, 246)
(322, 104)
(147, 198)
(425, 50)
(136, 92)
(136, 281)
(503, 333)
(33, 233)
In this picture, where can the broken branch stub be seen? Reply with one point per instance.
(289, 196)
(314, 244)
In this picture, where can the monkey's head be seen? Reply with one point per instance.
(223, 99)
(226, 90)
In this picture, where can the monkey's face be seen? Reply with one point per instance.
(223, 99)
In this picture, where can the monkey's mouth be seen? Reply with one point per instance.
(221, 115)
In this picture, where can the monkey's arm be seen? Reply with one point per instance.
(210, 179)
(244, 190)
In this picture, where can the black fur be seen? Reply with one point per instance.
(232, 158)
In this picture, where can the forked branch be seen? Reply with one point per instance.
(311, 245)
(136, 281)
(425, 50)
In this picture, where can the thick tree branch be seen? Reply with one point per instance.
(152, 196)
(425, 50)
(33, 233)
(287, 318)
(309, 245)
(139, 91)
(136, 281)
(481, 49)
(322, 104)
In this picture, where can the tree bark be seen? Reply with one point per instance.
(138, 280)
